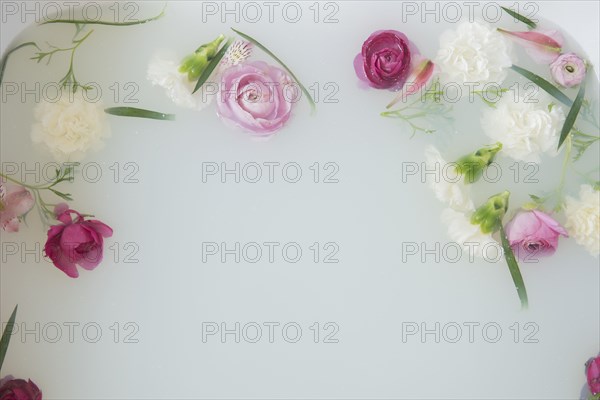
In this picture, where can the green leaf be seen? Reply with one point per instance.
(513, 267)
(520, 17)
(6, 335)
(139, 113)
(78, 22)
(8, 53)
(544, 85)
(572, 116)
(64, 196)
(212, 65)
(263, 48)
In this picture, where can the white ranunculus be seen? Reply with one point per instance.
(583, 218)
(474, 52)
(165, 73)
(469, 236)
(526, 127)
(447, 185)
(70, 126)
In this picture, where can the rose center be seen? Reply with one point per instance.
(570, 68)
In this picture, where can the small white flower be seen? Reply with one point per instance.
(525, 126)
(469, 236)
(165, 73)
(583, 218)
(474, 52)
(447, 185)
(236, 54)
(70, 126)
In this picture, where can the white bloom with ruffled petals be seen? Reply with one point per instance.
(447, 185)
(583, 218)
(469, 236)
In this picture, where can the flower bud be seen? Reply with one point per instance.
(489, 215)
(472, 165)
(194, 64)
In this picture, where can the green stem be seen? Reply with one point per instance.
(561, 186)
(8, 53)
(83, 21)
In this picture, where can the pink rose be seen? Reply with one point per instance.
(257, 97)
(75, 242)
(19, 389)
(15, 201)
(592, 371)
(384, 62)
(568, 70)
(533, 233)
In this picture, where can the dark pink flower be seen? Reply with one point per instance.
(76, 241)
(19, 389)
(15, 201)
(533, 233)
(592, 371)
(384, 62)
(257, 97)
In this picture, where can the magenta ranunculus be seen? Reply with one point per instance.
(568, 70)
(19, 389)
(15, 201)
(257, 97)
(76, 241)
(533, 233)
(384, 62)
(592, 372)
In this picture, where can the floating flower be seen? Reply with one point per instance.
(583, 218)
(15, 201)
(76, 241)
(446, 183)
(257, 97)
(543, 47)
(385, 60)
(473, 53)
(236, 54)
(592, 372)
(525, 127)
(489, 215)
(533, 233)
(194, 64)
(422, 70)
(19, 389)
(468, 235)
(568, 70)
(472, 165)
(165, 73)
(70, 126)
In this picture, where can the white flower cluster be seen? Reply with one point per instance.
(583, 218)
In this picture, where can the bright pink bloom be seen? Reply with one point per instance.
(568, 70)
(15, 201)
(533, 233)
(422, 70)
(385, 60)
(257, 97)
(76, 241)
(592, 371)
(543, 47)
(19, 389)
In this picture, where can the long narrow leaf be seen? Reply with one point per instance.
(263, 48)
(139, 113)
(520, 17)
(8, 53)
(89, 22)
(572, 115)
(212, 65)
(4, 342)
(544, 85)
(513, 267)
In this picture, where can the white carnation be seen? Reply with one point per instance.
(469, 236)
(447, 185)
(165, 73)
(526, 127)
(70, 126)
(583, 218)
(474, 52)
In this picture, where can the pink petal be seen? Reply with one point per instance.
(544, 48)
(551, 223)
(92, 258)
(422, 72)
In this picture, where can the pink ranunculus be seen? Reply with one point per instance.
(257, 97)
(76, 241)
(533, 233)
(15, 201)
(385, 60)
(568, 70)
(19, 389)
(592, 372)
